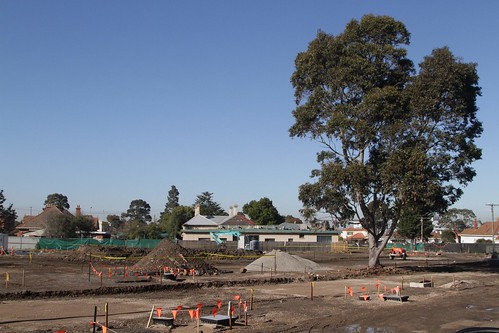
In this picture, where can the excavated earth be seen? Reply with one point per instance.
(59, 291)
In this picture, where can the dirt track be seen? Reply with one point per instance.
(465, 294)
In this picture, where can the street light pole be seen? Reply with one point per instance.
(493, 226)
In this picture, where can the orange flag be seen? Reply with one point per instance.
(219, 304)
(381, 296)
(214, 311)
(237, 297)
(191, 313)
(158, 311)
(179, 307)
(366, 297)
(174, 314)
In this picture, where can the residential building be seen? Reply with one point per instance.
(486, 231)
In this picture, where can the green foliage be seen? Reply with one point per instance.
(115, 223)
(208, 206)
(84, 224)
(483, 241)
(391, 137)
(139, 210)
(64, 226)
(60, 226)
(134, 223)
(448, 236)
(59, 200)
(457, 219)
(173, 222)
(172, 201)
(409, 225)
(8, 216)
(263, 212)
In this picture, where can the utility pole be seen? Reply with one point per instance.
(493, 226)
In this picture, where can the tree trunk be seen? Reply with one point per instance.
(375, 250)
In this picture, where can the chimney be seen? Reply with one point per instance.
(234, 210)
(197, 210)
(78, 210)
(230, 211)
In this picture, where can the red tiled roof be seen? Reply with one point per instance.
(239, 219)
(357, 236)
(484, 230)
(354, 229)
(40, 221)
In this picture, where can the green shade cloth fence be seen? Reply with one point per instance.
(72, 244)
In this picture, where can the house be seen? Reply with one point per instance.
(354, 235)
(35, 225)
(485, 231)
(201, 228)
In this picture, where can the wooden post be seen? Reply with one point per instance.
(402, 284)
(251, 298)
(106, 314)
(230, 315)
(345, 292)
(94, 324)
(312, 291)
(24, 280)
(150, 317)
(89, 268)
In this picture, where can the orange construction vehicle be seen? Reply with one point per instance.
(398, 252)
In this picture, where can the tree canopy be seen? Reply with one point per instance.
(456, 220)
(390, 137)
(208, 206)
(172, 200)
(57, 199)
(139, 210)
(263, 212)
(8, 216)
(173, 222)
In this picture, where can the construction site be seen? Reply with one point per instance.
(174, 289)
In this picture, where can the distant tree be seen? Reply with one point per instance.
(152, 231)
(57, 199)
(457, 220)
(173, 198)
(448, 236)
(135, 229)
(292, 219)
(173, 222)
(208, 206)
(263, 212)
(388, 136)
(83, 224)
(409, 225)
(115, 223)
(60, 226)
(8, 216)
(139, 210)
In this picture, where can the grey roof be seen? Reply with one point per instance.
(202, 220)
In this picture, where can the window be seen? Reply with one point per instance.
(302, 235)
(269, 239)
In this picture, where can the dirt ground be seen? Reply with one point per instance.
(51, 294)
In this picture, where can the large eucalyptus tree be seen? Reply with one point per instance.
(391, 136)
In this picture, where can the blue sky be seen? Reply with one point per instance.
(111, 101)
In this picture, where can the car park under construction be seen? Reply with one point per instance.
(121, 291)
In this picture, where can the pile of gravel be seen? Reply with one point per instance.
(279, 261)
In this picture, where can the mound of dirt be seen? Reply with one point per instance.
(279, 261)
(107, 254)
(176, 258)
